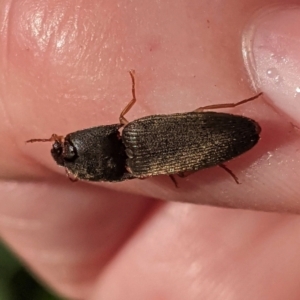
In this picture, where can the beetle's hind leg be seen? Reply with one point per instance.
(227, 105)
(174, 180)
(186, 174)
(230, 173)
(127, 108)
(182, 175)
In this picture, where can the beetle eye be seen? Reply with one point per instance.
(57, 148)
(57, 152)
(70, 152)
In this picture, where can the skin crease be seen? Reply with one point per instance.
(64, 67)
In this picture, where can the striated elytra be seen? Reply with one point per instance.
(171, 144)
(179, 143)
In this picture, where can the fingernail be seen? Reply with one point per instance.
(271, 48)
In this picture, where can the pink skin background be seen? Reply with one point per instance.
(64, 67)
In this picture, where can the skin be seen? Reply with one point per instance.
(64, 67)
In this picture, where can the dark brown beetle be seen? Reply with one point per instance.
(159, 144)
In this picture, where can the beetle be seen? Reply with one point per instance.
(180, 143)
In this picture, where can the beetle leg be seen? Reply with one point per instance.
(71, 176)
(127, 108)
(227, 105)
(230, 173)
(186, 174)
(174, 180)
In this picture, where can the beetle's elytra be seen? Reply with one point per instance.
(158, 144)
(164, 144)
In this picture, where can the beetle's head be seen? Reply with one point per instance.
(62, 149)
